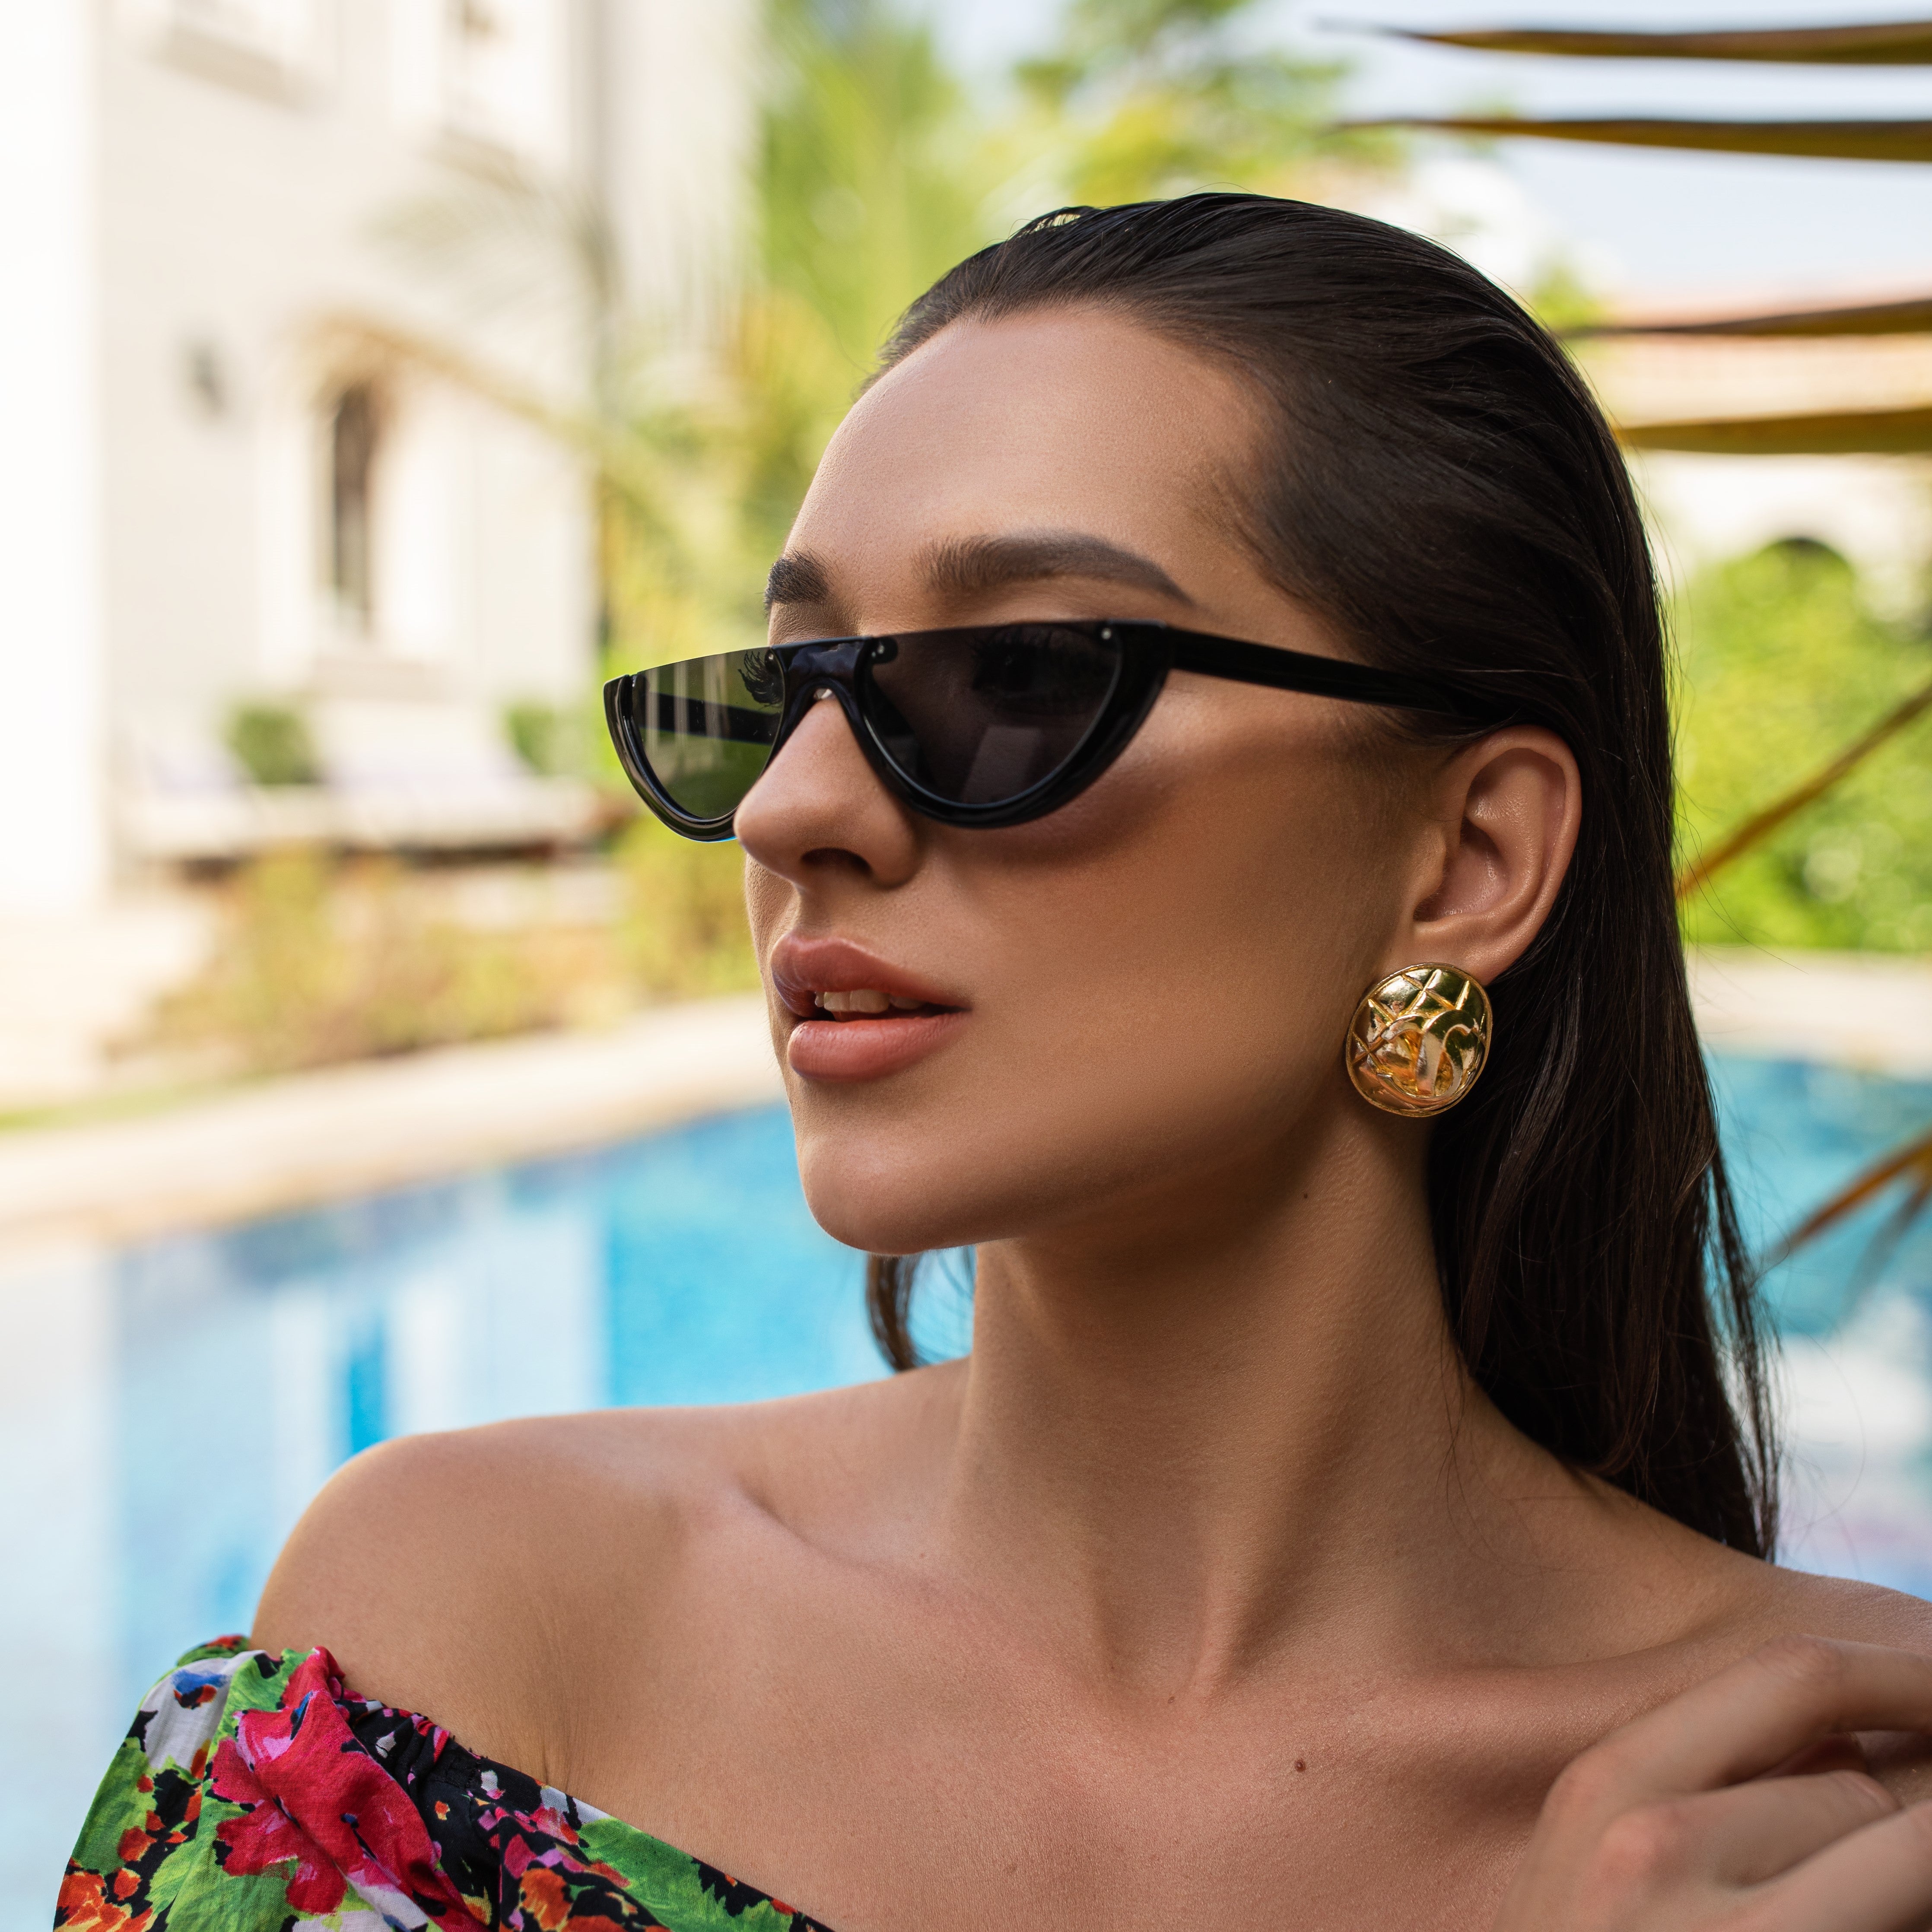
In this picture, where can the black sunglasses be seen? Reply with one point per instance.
(989, 725)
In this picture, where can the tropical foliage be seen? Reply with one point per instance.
(1781, 663)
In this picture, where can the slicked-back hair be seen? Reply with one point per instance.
(1437, 484)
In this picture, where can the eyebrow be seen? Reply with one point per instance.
(798, 578)
(972, 566)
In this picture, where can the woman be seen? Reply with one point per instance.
(1343, 1517)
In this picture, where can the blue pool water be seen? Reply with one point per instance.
(683, 1268)
(172, 1406)
(1853, 1310)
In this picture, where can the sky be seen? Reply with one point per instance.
(1646, 229)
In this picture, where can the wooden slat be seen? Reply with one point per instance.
(1886, 43)
(1826, 140)
(1837, 433)
(1912, 315)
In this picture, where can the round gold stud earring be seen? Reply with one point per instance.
(1419, 1040)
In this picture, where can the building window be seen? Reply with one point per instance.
(501, 68)
(279, 31)
(354, 432)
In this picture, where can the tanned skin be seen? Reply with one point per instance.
(1208, 1590)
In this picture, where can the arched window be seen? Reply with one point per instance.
(503, 73)
(354, 429)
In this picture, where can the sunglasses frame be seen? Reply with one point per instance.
(1148, 652)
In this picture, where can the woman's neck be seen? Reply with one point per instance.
(1200, 1429)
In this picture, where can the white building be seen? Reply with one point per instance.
(215, 492)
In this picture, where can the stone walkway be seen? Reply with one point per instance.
(343, 1131)
(1865, 1009)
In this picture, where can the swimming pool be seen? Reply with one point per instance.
(1854, 1311)
(172, 1406)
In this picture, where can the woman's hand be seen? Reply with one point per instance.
(1699, 1816)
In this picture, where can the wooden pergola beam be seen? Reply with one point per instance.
(1884, 43)
(1863, 140)
(1833, 433)
(1911, 315)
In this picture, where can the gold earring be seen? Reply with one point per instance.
(1419, 1039)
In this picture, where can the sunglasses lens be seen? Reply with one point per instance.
(706, 726)
(982, 716)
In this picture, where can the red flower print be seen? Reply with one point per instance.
(341, 1801)
(233, 1779)
(265, 1836)
(545, 1897)
(85, 1907)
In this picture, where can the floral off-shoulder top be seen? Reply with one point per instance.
(253, 1794)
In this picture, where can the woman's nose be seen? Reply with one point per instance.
(819, 810)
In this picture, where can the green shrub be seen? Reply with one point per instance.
(547, 740)
(323, 960)
(685, 931)
(271, 742)
(1782, 664)
(320, 961)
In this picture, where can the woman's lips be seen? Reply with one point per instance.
(866, 1049)
(803, 968)
(863, 1043)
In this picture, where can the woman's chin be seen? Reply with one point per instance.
(878, 1227)
(892, 1208)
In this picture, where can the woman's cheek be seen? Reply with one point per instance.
(765, 897)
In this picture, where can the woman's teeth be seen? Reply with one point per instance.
(864, 1000)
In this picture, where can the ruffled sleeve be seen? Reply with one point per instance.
(252, 1792)
(239, 1799)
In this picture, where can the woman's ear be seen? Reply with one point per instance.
(1508, 809)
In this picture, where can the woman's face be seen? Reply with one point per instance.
(1150, 987)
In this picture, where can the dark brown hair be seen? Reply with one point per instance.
(1440, 487)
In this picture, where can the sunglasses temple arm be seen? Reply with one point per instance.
(1283, 670)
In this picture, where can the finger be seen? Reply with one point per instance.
(1839, 1753)
(1878, 1879)
(1752, 1832)
(1761, 1711)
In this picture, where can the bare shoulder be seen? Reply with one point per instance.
(1794, 1602)
(466, 1575)
(1787, 1604)
(440, 1570)
(1711, 1604)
